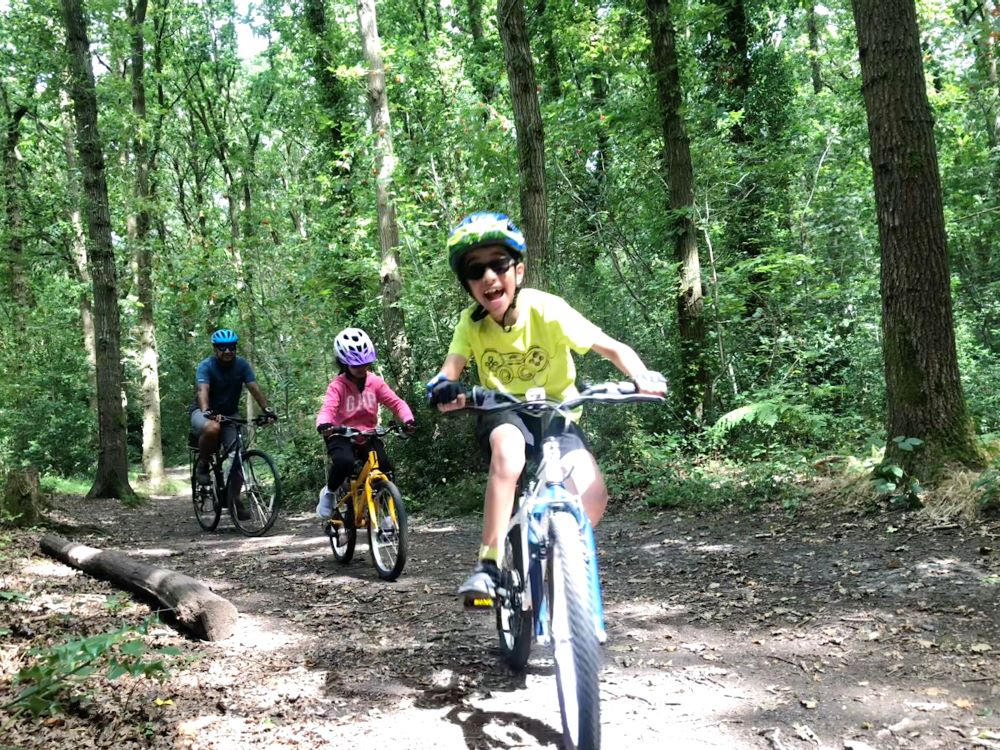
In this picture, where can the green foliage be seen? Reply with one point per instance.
(988, 486)
(890, 481)
(58, 675)
(265, 220)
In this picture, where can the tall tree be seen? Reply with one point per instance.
(530, 135)
(545, 26)
(330, 88)
(138, 233)
(924, 397)
(76, 245)
(112, 459)
(814, 54)
(479, 60)
(14, 112)
(388, 230)
(679, 175)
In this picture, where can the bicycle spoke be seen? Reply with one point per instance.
(387, 532)
(259, 496)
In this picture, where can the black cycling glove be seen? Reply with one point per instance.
(446, 391)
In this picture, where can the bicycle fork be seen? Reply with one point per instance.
(538, 553)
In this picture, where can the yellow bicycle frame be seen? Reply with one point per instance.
(360, 492)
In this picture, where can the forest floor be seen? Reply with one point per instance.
(827, 628)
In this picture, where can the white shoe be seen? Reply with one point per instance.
(325, 507)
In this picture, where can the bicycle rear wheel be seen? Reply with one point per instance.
(514, 624)
(577, 650)
(343, 544)
(387, 532)
(260, 494)
(207, 509)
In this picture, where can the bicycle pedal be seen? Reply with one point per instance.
(479, 601)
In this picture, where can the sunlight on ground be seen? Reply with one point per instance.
(261, 634)
(47, 569)
(156, 552)
(438, 529)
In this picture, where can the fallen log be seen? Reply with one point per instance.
(205, 614)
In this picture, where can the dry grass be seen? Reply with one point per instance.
(955, 498)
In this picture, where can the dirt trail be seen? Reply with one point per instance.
(726, 631)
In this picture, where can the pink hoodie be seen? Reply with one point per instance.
(345, 406)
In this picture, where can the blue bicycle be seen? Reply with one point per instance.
(552, 594)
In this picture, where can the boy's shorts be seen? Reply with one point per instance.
(570, 436)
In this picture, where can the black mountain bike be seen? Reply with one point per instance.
(249, 487)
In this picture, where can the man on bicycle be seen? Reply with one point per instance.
(219, 382)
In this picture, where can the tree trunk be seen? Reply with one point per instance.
(545, 27)
(481, 59)
(20, 291)
(814, 63)
(530, 136)
(923, 389)
(679, 173)
(388, 232)
(22, 498)
(138, 233)
(331, 92)
(207, 615)
(78, 249)
(112, 458)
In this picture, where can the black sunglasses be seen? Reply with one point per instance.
(225, 347)
(499, 266)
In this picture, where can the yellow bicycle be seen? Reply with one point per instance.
(370, 500)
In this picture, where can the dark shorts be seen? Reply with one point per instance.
(570, 436)
(198, 422)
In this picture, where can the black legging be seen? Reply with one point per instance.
(342, 452)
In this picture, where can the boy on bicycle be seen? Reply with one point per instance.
(352, 400)
(520, 339)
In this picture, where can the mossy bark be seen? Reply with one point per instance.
(924, 397)
(22, 498)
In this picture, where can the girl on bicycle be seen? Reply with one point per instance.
(352, 400)
(520, 339)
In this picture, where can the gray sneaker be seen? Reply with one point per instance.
(480, 588)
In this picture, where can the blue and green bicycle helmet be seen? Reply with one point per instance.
(481, 229)
(224, 336)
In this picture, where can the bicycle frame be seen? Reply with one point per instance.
(546, 494)
(360, 489)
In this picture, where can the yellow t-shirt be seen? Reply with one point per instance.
(535, 352)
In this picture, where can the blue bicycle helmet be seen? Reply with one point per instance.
(224, 336)
(484, 228)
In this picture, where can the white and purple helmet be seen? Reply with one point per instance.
(353, 347)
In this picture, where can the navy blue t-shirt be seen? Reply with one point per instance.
(225, 384)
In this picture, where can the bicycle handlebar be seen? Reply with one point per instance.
(484, 399)
(260, 420)
(379, 431)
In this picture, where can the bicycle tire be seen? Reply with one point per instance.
(515, 625)
(260, 494)
(387, 532)
(205, 498)
(577, 650)
(344, 553)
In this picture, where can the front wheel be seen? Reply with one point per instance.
(259, 496)
(577, 650)
(207, 508)
(387, 531)
(514, 622)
